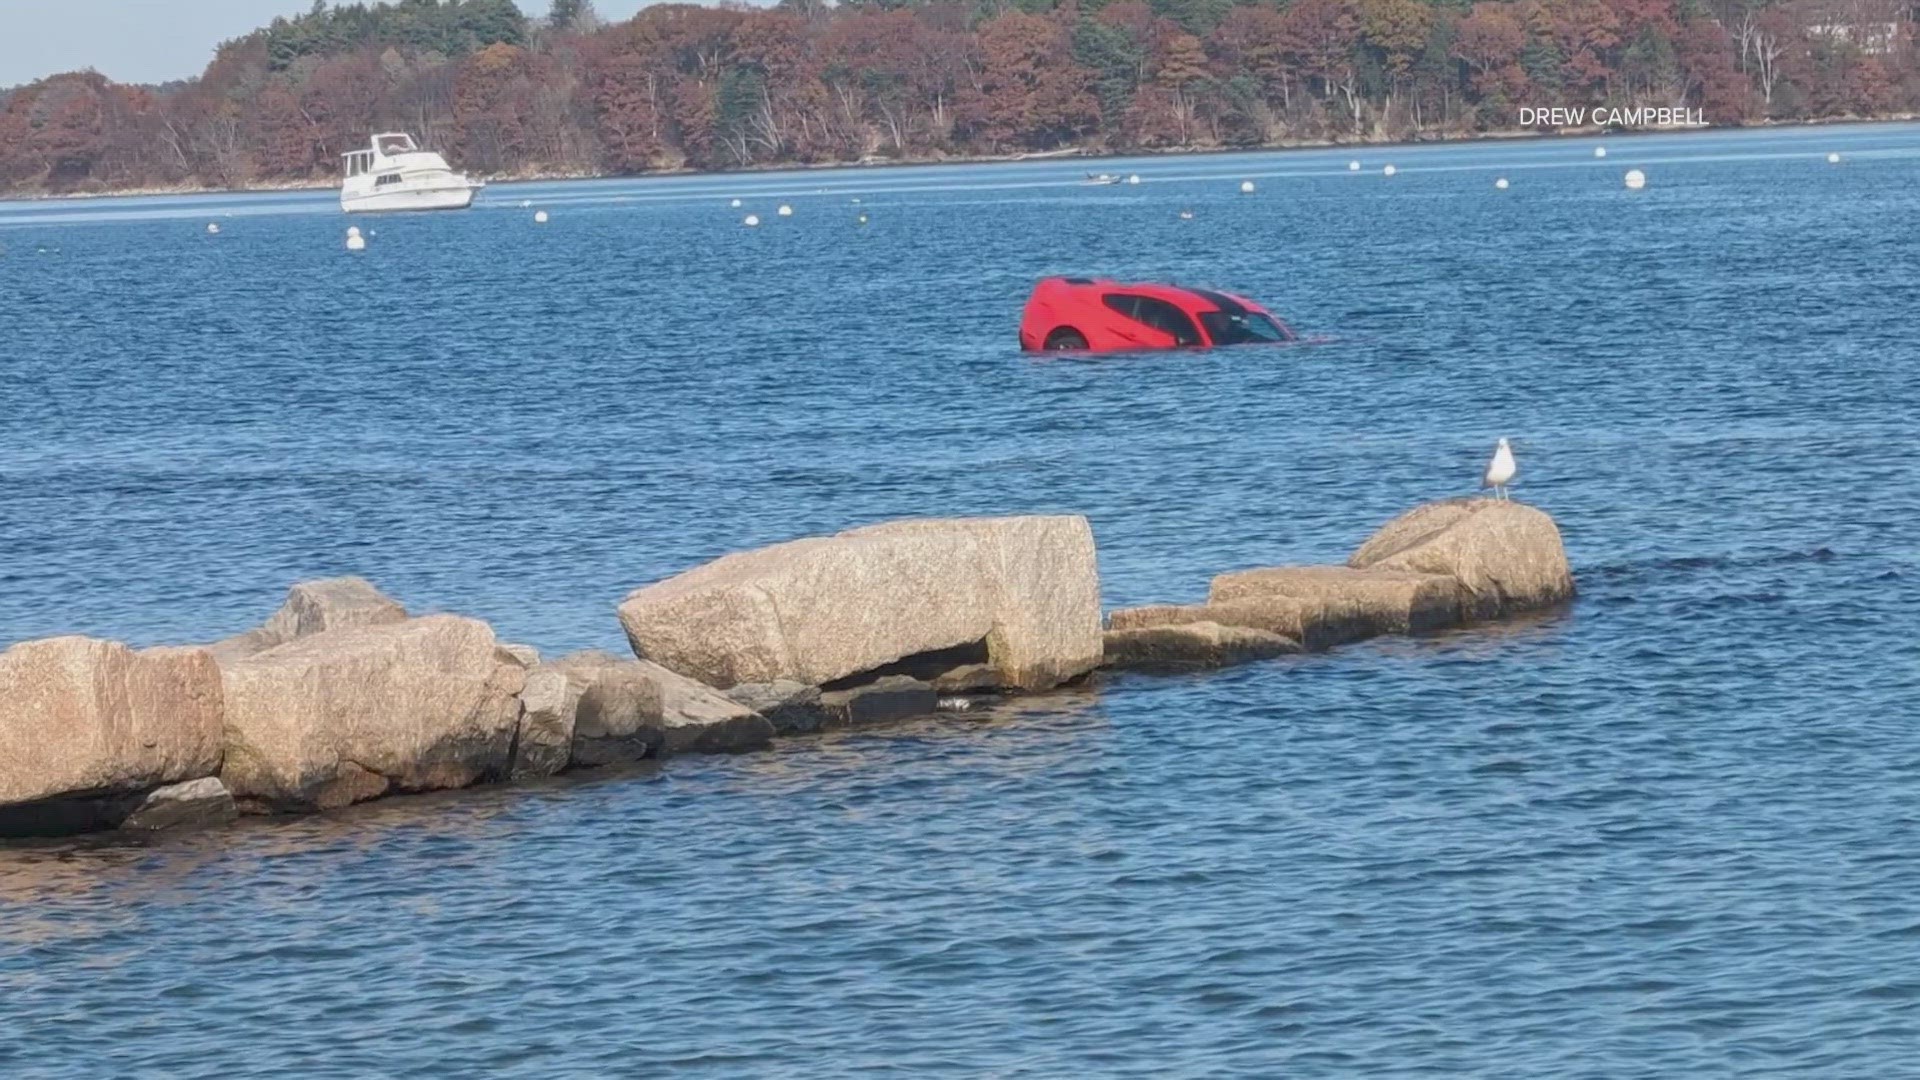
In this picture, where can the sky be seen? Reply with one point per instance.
(148, 41)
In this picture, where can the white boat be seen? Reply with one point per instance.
(395, 174)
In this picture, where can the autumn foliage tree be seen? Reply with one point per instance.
(1029, 92)
(1489, 41)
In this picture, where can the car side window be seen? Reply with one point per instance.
(1164, 316)
(1158, 314)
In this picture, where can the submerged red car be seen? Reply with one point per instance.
(1103, 316)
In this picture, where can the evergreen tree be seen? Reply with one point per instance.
(572, 15)
(1113, 57)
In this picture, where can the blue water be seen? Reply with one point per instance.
(1673, 830)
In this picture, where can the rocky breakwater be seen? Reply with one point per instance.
(1440, 565)
(874, 623)
(342, 696)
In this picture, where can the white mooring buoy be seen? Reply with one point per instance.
(539, 217)
(1353, 166)
(1246, 187)
(1501, 183)
(1833, 159)
(1186, 215)
(863, 219)
(735, 204)
(785, 210)
(213, 227)
(355, 242)
(1388, 171)
(1636, 179)
(1599, 151)
(1133, 178)
(751, 221)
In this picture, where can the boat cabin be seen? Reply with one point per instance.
(387, 144)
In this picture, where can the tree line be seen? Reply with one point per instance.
(731, 86)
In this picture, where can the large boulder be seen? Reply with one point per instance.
(1507, 556)
(817, 610)
(525, 655)
(632, 709)
(1289, 618)
(350, 714)
(549, 708)
(694, 716)
(617, 712)
(1192, 645)
(81, 717)
(1278, 615)
(313, 607)
(1338, 604)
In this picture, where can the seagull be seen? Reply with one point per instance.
(1500, 470)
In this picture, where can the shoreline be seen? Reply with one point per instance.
(1079, 153)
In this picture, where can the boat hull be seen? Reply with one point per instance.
(439, 198)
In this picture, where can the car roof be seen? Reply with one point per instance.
(1182, 294)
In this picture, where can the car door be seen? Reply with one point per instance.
(1150, 323)
(1169, 319)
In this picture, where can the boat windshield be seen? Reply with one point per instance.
(1248, 328)
(396, 144)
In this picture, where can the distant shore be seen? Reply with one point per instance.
(1072, 152)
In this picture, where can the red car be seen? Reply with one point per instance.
(1102, 316)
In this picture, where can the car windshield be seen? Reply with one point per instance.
(1249, 328)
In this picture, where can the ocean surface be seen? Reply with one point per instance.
(1671, 830)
